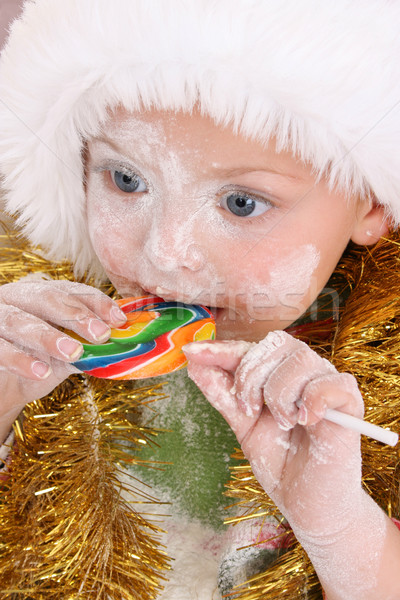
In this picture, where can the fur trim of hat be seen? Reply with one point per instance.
(323, 77)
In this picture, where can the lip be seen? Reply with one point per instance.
(213, 310)
(168, 295)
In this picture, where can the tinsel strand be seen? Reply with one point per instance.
(67, 531)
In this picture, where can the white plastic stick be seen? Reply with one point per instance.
(377, 433)
(364, 427)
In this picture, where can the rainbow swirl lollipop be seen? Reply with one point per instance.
(150, 342)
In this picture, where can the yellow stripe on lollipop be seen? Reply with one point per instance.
(206, 332)
(136, 322)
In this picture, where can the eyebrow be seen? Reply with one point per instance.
(108, 141)
(232, 172)
(261, 169)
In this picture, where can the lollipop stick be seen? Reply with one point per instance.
(377, 433)
(364, 427)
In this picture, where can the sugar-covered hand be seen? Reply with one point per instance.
(35, 356)
(274, 395)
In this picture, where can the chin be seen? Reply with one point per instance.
(235, 327)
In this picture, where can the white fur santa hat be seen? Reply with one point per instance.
(321, 76)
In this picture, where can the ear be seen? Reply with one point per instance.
(372, 223)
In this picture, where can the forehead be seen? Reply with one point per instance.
(197, 136)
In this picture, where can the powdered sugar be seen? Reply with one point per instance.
(215, 389)
(194, 548)
(321, 451)
(283, 285)
(283, 443)
(194, 535)
(292, 273)
(259, 363)
(264, 471)
(348, 561)
(168, 252)
(237, 348)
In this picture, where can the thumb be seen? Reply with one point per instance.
(216, 384)
(224, 354)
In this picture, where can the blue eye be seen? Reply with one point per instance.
(242, 205)
(128, 183)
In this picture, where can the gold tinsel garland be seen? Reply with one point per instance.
(65, 530)
(365, 342)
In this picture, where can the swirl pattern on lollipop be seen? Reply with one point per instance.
(150, 342)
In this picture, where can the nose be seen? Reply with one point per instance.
(170, 246)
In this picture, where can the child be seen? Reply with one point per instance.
(223, 154)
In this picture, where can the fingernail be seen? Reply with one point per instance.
(69, 348)
(99, 330)
(117, 315)
(41, 369)
(302, 415)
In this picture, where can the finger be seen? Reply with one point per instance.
(285, 384)
(53, 307)
(256, 366)
(224, 354)
(19, 363)
(258, 435)
(267, 447)
(63, 303)
(29, 333)
(216, 385)
(337, 391)
(330, 443)
(99, 303)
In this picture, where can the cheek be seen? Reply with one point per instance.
(112, 238)
(288, 272)
(295, 274)
(279, 285)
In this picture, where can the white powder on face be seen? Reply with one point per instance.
(293, 273)
(178, 209)
(175, 223)
(276, 286)
(287, 277)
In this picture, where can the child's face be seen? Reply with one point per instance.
(192, 212)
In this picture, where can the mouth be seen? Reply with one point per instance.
(170, 296)
(167, 295)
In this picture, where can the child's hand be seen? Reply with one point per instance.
(310, 467)
(35, 356)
